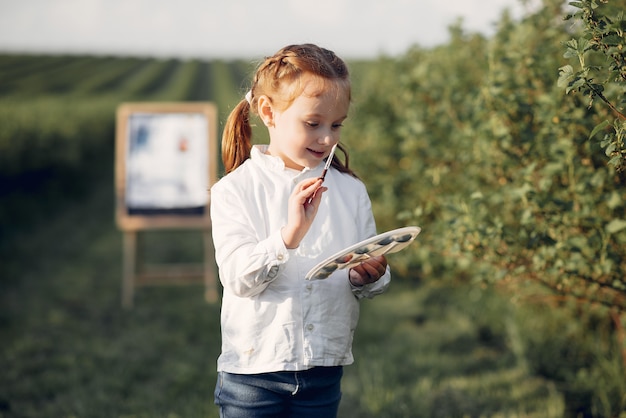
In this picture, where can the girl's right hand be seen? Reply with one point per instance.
(303, 204)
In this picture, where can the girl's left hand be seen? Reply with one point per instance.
(368, 271)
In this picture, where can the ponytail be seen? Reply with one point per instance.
(237, 137)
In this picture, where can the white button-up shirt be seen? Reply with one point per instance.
(272, 318)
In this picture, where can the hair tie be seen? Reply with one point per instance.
(249, 97)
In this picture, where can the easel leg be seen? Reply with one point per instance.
(130, 255)
(210, 282)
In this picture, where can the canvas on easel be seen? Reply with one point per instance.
(166, 162)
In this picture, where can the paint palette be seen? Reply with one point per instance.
(385, 243)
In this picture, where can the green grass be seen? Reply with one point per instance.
(442, 351)
(69, 350)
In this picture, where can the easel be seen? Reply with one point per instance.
(138, 274)
(135, 272)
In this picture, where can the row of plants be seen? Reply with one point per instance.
(515, 183)
(57, 118)
(54, 110)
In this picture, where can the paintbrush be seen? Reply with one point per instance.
(329, 160)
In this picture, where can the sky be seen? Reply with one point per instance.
(239, 28)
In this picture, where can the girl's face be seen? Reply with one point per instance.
(303, 134)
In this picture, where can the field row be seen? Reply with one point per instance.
(57, 110)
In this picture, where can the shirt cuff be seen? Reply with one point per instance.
(372, 289)
(278, 253)
(358, 291)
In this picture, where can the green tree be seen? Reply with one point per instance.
(494, 162)
(599, 54)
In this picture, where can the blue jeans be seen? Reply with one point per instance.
(311, 393)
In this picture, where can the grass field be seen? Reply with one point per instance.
(69, 350)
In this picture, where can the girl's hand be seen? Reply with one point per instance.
(303, 205)
(368, 271)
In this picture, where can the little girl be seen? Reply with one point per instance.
(285, 339)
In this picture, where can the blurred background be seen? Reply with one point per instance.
(496, 126)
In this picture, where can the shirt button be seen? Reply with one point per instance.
(280, 257)
(309, 286)
(310, 327)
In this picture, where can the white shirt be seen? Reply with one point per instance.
(272, 318)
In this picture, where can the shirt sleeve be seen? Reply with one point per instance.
(247, 264)
(367, 224)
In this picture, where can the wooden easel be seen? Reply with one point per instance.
(137, 274)
(203, 135)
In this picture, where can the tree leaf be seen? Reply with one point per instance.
(599, 127)
(616, 225)
(616, 161)
(565, 74)
(612, 40)
(610, 149)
